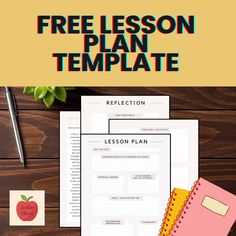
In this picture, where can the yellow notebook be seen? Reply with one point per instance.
(175, 204)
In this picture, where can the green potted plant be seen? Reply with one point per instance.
(48, 94)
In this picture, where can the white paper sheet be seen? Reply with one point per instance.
(69, 169)
(184, 144)
(125, 181)
(96, 110)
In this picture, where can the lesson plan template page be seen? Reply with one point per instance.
(184, 144)
(96, 110)
(70, 169)
(125, 181)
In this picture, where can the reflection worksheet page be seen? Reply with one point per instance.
(96, 110)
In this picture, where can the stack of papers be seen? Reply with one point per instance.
(125, 154)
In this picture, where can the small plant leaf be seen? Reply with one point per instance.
(70, 88)
(60, 93)
(48, 94)
(49, 99)
(51, 89)
(24, 198)
(29, 90)
(40, 92)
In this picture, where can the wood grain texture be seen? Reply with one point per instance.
(50, 228)
(40, 174)
(40, 133)
(181, 97)
(43, 174)
(217, 131)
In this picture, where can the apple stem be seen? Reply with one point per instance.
(29, 198)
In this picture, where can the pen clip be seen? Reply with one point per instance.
(14, 104)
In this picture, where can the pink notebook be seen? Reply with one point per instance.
(209, 211)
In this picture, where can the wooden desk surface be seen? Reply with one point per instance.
(215, 107)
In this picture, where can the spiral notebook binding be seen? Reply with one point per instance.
(185, 208)
(163, 230)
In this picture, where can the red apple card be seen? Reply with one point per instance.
(27, 208)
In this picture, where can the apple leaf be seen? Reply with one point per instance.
(24, 198)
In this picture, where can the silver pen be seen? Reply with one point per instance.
(13, 114)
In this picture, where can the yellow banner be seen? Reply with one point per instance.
(126, 43)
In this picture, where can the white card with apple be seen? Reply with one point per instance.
(27, 208)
